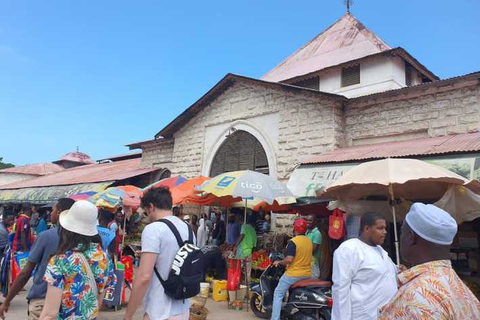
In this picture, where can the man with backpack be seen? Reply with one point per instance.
(168, 258)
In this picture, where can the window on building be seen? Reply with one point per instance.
(350, 75)
(408, 74)
(311, 83)
(240, 151)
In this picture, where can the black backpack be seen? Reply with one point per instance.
(186, 272)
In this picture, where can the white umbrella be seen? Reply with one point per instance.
(394, 178)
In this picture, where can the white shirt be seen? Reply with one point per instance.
(158, 238)
(364, 279)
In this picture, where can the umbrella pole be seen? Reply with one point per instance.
(392, 204)
(245, 212)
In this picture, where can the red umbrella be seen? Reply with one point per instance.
(167, 182)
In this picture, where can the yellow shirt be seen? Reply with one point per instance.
(300, 267)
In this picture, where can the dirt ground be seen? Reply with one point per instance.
(217, 310)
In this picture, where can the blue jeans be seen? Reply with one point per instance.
(283, 285)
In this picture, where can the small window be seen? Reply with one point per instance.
(312, 83)
(408, 74)
(350, 76)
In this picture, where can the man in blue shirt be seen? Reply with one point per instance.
(107, 235)
(44, 246)
(7, 220)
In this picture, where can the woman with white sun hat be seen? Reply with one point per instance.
(80, 271)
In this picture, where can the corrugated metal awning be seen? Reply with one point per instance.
(48, 194)
(451, 144)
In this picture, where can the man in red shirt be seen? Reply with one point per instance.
(22, 239)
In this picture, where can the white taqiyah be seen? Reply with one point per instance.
(432, 223)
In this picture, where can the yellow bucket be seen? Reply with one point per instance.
(220, 292)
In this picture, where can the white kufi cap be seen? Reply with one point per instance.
(432, 223)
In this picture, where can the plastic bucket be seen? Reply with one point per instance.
(204, 289)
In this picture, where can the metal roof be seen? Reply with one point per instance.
(461, 143)
(38, 169)
(347, 39)
(123, 157)
(76, 156)
(112, 171)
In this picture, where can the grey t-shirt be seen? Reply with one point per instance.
(44, 246)
(158, 238)
(3, 237)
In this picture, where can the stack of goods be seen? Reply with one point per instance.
(227, 250)
(260, 260)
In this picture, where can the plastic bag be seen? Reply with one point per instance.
(234, 274)
(336, 225)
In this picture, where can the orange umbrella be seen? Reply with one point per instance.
(181, 192)
(211, 200)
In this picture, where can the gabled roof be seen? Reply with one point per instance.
(347, 39)
(218, 89)
(38, 169)
(90, 173)
(76, 156)
(460, 143)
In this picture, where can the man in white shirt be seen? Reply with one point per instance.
(364, 276)
(159, 248)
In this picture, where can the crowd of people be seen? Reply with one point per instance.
(74, 261)
(70, 261)
(367, 285)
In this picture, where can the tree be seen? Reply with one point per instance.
(5, 165)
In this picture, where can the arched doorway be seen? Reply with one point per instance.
(240, 151)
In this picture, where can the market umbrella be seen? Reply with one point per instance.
(167, 182)
(114, 197)
(394, 178)
(82, 195)
(181, 192)
(248, 185)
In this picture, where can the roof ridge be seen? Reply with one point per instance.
(369, 35)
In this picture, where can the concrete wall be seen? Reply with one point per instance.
(6, 178)
(376, 75)
(291, 126)
(428, 115)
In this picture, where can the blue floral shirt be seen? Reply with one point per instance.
(68, 273)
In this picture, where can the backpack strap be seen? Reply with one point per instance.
(180, 241)
(174, 230)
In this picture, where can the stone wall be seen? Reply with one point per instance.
(157, 155)
(426, 115)
(308, 124)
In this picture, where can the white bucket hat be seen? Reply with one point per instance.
(82, 218)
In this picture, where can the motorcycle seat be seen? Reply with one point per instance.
(311, 283)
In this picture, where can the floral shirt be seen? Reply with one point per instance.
(68, 273)
(431, 291)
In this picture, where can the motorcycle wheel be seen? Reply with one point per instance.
(257, 308)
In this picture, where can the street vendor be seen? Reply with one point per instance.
(245, 245)
(316, 237)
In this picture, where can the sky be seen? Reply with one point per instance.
(101, 74)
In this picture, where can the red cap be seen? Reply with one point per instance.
(300, 226)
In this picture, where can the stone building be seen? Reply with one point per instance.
(344, 92)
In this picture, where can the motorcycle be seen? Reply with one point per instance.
(307, 299)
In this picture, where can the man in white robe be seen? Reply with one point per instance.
(364, 276)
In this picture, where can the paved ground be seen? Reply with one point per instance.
(217, 311)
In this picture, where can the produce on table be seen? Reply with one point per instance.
(260, 259)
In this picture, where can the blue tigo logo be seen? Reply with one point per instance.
(225, 182)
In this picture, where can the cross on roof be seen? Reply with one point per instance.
(348, 3)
